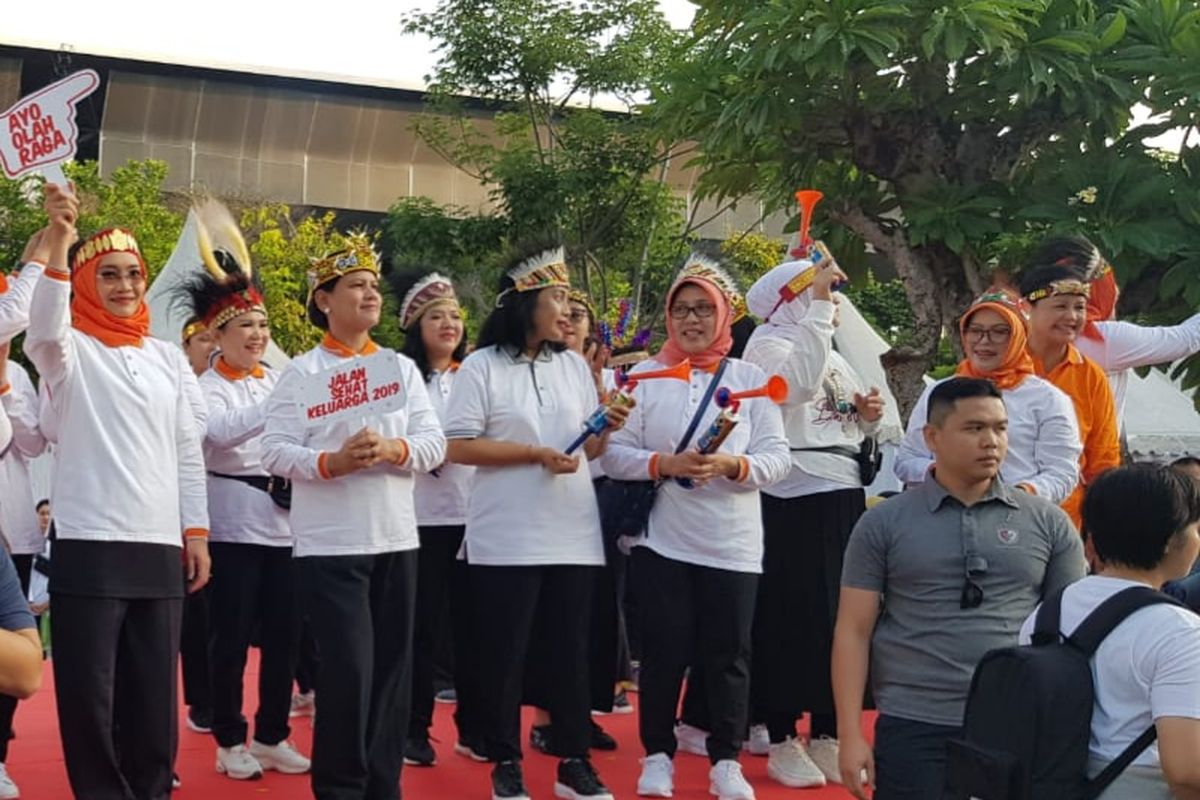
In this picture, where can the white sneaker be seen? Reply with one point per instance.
(657, 778)
(9, 790)
(727, 783)
(758, 743)
(303, 704)
(790, 765)
(282, 757)
(690, 739)
(237, 763)
(824, 753)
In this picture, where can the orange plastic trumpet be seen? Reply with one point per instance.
(775, 389)
(681, 372)
(807, 199)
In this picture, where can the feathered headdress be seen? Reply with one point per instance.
(429, 291)
(704, 266)
(227, 288)
(616, 337)
(358, 254)
(538, 271)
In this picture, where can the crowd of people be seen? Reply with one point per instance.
(704, 540)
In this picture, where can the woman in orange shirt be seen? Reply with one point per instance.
(1058, 299)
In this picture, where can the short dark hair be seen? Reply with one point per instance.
(1041, 275)
(946, 395)
(315, 315)
(1186, 461)
(1131, 513)
(45, 501)
(741, 331)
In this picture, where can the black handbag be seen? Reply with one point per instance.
(870, 460)
(625, 505)
(279, 489)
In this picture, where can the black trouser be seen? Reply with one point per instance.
(910, 758)
(693, 615)
(361, 609)
(252, 586)
(115, 685)
(608, 642)
(8, 704)
(804, 545)
(509, 602)
(442, 586)
(309, 661)
(193, 651)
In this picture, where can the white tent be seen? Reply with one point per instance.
(1161, 423)
(862, 346)
(167, 318)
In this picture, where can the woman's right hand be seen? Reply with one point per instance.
(828, 273)
(556, 461)
(358, 452)
(62, 207)
(688, 464)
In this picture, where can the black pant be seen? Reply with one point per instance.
(509, 602)
(193, 651)
(361, 609)
(910, 758)
(804, 545)
(114, 682)
(442, 586)
(309, 661)
(8, 704)
(252, 585)
(608, 642)
(699, 615)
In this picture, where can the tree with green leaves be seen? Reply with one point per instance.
(557, 164)
(950, 136)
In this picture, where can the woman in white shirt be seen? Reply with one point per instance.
(435, 339)
(1043, 434)
(250, 539)
(1142, 522)
(128, 496)
(533, 529)
(695, 573)
(1118, 347)
(354, 522)
(807, 518)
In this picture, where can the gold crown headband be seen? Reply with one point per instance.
(430, 291)
(359, 254)
(547, 268)
(1064, 286)
(193, 327)
(113, 240)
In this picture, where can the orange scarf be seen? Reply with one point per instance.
(1102, 303)
(1017, 363)
(89, 315)
(334, 346)
(3, 283)
(232, 373)
(671, 353)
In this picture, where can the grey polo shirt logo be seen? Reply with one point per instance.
(1007, 536)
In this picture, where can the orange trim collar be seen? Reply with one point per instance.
(337, 348)
(232, 373)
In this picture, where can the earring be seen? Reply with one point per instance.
(324, 310)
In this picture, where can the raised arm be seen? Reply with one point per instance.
(799, 351)
(48, 343)
(1129, 346)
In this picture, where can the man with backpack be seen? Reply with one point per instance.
(934, 578)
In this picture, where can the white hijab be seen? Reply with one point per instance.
(764, 295)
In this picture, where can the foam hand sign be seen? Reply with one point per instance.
(39, 132)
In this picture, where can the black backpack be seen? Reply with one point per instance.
(1029, 712)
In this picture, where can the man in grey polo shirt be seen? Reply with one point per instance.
(933, 579)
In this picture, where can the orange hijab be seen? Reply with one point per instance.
(671, 353)
(87, 309)
(1017, 363)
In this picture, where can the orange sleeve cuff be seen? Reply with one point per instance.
(195, 533)
(743, 469)
(653, 467)
(323, 466)
(57, 274)
(5, 389)
(404, 453)
(1028, 487)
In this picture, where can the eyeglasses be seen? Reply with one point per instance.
(1000, 333)
(701, 310)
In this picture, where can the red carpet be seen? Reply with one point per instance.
(35, 763)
